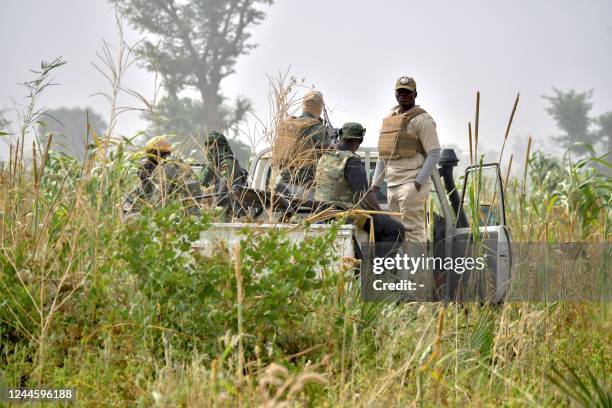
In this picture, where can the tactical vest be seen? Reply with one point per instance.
(331, 186)
(396, 141)
(291, 148)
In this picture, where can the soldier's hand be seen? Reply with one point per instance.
(417, 185)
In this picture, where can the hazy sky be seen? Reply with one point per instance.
(353, 51)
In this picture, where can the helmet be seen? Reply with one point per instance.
(352, 130)
(158, 144)
(215, 138)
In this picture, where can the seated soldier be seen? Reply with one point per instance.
(222, 171)
(341, 178)
(163, 178)
(298, 145)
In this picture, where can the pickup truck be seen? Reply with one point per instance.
(459, 224)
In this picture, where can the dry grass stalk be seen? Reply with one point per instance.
(279, 389)
(389, 379)
(470, 141)
(516, 101)
(507, 178)
(476, 126)
(239, 305)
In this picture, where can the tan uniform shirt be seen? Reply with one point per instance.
(405, 170)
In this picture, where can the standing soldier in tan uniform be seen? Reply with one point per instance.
(409, 151)
(299, 143)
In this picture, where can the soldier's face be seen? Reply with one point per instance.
(145, 169)
(405, 97)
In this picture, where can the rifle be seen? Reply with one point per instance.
(331, 131)
(204, 196)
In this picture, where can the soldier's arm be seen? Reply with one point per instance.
(379, 174)
(355, 175)
(426, 130)
(318, 136)
(206, 175)
(433, 156)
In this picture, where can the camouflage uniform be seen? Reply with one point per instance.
(162, 179)
(221, 170)
(331, 184)
(175, 180)
(134, 200)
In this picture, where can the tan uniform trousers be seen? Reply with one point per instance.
(405, 199)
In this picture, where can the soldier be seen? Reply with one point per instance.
(222, 171)
(163, 178)
(341, 178)
(408, 151)
(299, 144)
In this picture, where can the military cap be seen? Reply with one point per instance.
(352, 130)
(158, 144)
(406, 83)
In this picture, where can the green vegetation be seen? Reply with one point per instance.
(129, 315)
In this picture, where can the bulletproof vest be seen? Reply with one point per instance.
(291, 148)
(331, 186)
(396, 141)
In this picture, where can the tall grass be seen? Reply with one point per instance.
(129, 315)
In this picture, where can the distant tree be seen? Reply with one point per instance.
(199, 44)
(571, 111)
(605, 128)
(4, 123)
(69, 129)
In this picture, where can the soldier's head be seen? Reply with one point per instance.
(352, 134)
(405, 91)
(216, 145)
(313, 103)
(158, 148)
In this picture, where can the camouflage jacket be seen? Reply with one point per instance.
(227, 171)
(168, 181)
(331, 182)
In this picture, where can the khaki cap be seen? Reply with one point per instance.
(406, 83)
(313, 98)
(313, 103)
(158, 144)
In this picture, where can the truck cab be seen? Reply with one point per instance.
(260, 170)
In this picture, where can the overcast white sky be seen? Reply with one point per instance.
(353, 51)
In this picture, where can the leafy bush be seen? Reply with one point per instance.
(196, 296)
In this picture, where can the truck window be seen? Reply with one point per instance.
(482, 196)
